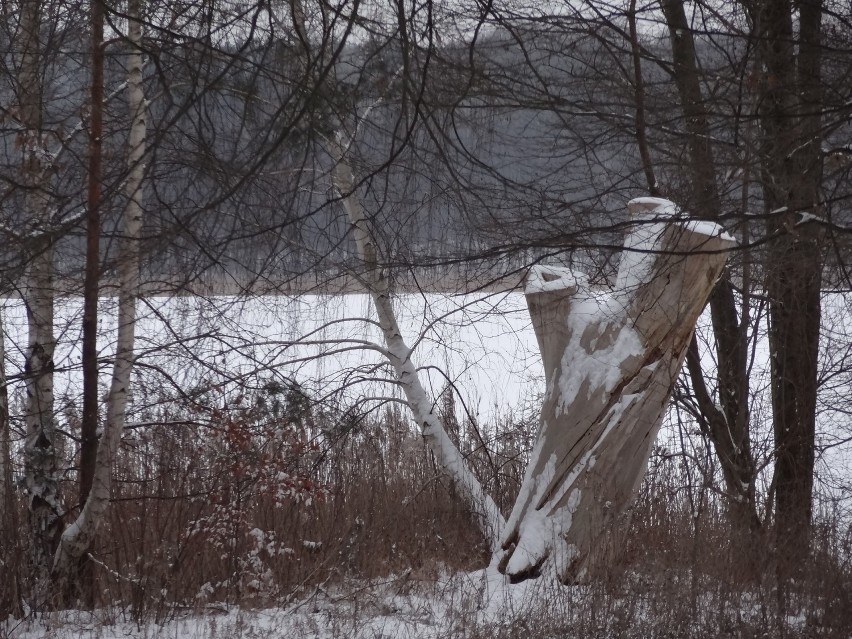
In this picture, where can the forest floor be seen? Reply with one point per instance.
(461, 605)
(464, 605)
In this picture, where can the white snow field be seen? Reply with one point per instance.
(484, 345)
(476, 605)
(481, 345)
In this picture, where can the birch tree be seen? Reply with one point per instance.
(38, 297)
(51, 547)
(10, 547)
(376, 279)
(78, 536)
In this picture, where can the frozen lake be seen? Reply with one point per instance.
(482, 346)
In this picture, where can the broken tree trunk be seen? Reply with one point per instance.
(376, 279)
(610, 362)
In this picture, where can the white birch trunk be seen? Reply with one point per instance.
(6, 488)
(38, 294)
(7, 523)
(376, 281)
(446, 453)
(10, 601)
(610, 365)
(77, 538)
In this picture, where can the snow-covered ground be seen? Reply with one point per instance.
(482, 345)
(476, 605)
(395, 607)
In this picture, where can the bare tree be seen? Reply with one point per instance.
(38, 296)
(378, 284)
(791, 170)
(78, 537)
(727, 425)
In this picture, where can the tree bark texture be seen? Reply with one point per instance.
(610, 365)
(10, 598)
(790, 117)
(78, 537)
(38, 296)
(726, 424)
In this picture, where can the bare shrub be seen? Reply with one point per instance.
(263, 498)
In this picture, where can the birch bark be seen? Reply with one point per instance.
(10, 601)
(38, 296)
(77, 538)
(398, 352)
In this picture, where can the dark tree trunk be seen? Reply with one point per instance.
(89, 425)
(80, 586)
(728, 427)
(791, 163)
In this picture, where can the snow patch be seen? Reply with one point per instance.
(637, 259)
(710, 229)
(545, 279)
(645, 239)
(541, 536)
(805, 217)
(596, 364)
(532, 480)
(656, 207)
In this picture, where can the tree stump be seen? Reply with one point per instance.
(611, 362)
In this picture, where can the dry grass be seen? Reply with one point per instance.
(267, 500)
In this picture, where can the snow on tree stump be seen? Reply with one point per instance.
(611, 361)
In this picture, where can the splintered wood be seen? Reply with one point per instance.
(611, 361)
